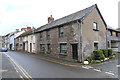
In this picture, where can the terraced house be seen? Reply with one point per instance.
(19, 40)
(73, 37)
(113, 39)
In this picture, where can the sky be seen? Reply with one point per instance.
(16, 14)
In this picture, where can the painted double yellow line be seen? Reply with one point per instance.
(20, 68)
(72, 65)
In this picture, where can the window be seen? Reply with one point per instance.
(34, 46)
(95, 26)
(40, 36)
(110, 33)
(31, 37)
(42, 48)
(95, 46)
(48, 46)
(116, 34)
(108, 44)
(63, 48)
(47, 34)
(61, 31)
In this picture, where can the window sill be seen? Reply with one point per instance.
(63, 54)
(95, 29)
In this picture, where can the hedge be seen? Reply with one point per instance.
(98, 55)
(105, 52)
(109, 52)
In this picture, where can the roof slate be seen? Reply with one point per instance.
(80, 15)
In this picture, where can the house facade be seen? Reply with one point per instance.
(2, 43)
(113, 39)
(73, 37)
(28, 41)
(18, 41)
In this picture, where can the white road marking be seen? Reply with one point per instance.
(3, 70)
(20, 68)
(110, 73)
(97, 70)
(118, 65)
(87, 67)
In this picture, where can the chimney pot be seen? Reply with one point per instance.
(50, 19)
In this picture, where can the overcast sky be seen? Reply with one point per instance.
(15, 14)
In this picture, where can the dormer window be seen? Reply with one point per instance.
(95, 26)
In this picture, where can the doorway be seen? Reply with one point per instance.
(75, 51)
(30, 47)
(23, 46)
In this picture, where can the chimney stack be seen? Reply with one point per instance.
(50, 19)
(28, 28)
(17, 30)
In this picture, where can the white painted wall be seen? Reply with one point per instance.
(11, 41)
(31, 39)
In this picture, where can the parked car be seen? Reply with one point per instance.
(4, 49)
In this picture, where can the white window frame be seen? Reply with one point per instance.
(95, 26)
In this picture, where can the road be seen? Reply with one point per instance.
(38, 68)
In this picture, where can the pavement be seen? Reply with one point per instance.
(8, 69)
(45, 66)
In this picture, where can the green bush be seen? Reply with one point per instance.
(89, 59)
(109, 52)
(105, 52)
(98, 55)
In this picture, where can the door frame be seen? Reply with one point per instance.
(76, 50)
(30, 47)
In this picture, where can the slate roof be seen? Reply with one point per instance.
(80, 15)
(26, 33)
(111, 28)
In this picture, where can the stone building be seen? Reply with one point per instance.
(113, 38)
(73, 37)
(2, 41)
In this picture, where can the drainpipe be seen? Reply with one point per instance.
(80, 54)
(107, 38)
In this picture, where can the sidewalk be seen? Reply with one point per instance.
(8, 70)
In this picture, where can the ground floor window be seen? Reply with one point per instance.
(63, 48)
(108, 44)
(34, 46)
(48, 48)
(42, 48)
(95, 46)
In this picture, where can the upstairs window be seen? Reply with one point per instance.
(95, 26)
(31, 37)
(40, 36)
(61, 31)
(47, 34)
